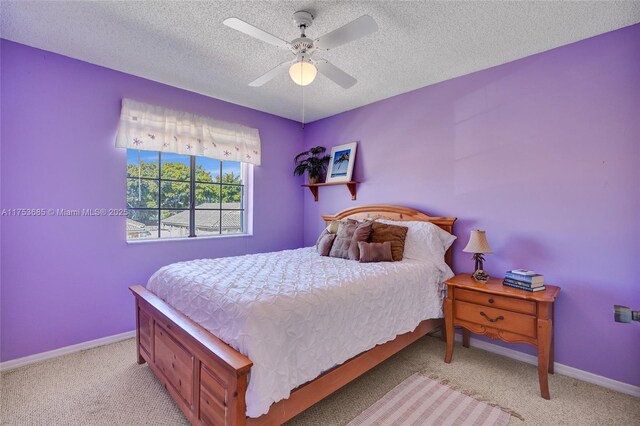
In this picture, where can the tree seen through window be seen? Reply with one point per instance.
(159, 191)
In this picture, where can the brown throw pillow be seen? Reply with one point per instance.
(343, 239)
(394, 234)
(325, 243)
(362, 233)
(375, 252)
(322, 234)
(332, 228)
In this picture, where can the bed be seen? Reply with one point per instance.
(181, 333)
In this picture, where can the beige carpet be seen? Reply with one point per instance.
(104, 386)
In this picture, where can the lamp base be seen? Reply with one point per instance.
(480, 276)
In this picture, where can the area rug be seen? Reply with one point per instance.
(420, 400)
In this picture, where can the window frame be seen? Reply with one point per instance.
(192, 208)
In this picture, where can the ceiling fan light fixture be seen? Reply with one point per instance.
(303, 72)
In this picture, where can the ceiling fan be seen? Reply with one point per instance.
(304, 67)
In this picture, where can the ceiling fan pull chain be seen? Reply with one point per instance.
(302, 89)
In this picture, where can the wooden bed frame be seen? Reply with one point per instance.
(208, 378)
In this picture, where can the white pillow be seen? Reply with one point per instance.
(425, 241)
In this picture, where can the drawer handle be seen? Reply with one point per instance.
(491, 320)
(491, 300)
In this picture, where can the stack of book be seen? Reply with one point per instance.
(524, 280)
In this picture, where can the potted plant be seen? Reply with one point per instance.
(313, 161)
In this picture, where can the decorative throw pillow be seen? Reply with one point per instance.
(362, 233)
(322, 234)
(392, 233)
(335, 224)
(325, 243)
(424, 240)
(375, 252)
(343, 239)
(332, 228)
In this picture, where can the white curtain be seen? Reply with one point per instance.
(154, 128)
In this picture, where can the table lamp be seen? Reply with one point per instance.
(478, 245)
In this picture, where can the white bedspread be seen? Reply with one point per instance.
(296, 314)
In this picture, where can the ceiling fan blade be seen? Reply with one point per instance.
(354, 30)
(243, 27)
(335, 74)
(269, 75)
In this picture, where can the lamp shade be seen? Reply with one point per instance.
(477, 243)
(303, 72)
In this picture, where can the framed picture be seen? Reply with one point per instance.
(341, 163)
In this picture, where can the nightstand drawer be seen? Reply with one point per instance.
(495, 318)
(500, 302)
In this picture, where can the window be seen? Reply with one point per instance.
(172, 196)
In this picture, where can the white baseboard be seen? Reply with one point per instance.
(476, 343)
(32, 359)
(559, 368)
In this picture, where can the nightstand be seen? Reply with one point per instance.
(504, 313)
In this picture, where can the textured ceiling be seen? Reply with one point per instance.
(185, 44)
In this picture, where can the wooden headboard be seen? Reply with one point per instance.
(394, 213)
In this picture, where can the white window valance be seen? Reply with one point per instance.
(154, 128)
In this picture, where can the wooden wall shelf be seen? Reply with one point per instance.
(351, 185)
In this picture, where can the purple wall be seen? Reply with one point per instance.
(543, 154)
(65, 279)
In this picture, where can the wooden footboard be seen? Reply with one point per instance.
(206, 377)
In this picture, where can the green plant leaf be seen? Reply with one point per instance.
(313, 164)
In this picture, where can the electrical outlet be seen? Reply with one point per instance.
(625, 314)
